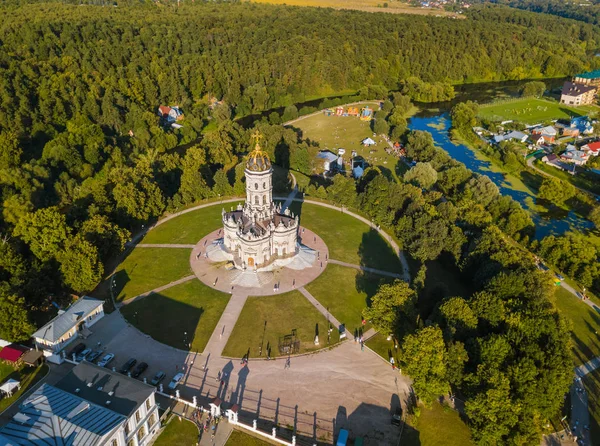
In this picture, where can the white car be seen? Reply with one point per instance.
(105, 360)
(175, 381)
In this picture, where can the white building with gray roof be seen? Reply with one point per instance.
(91, 406)
(53, 337)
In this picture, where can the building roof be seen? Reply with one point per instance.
(51, 417)
(516, 135)
(32, 357)
(368, 141)
(590, 75)
(258, 160)
(129, 393)
(593, 146)
(574, 89)
(164, 110)
(68, 319)
(12, 353)
(327, 155)
(551, 157)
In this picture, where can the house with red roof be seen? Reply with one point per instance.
(12, 353)
(593, 148)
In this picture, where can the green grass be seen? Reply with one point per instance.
(591, 383)
(29, 376)
(439, 425)
(349, 239)
(384, 348)
(188, 228)
(334, 132)
(345, 292)
(585, 324)
(178, 432)
(190, 307)
(583, 180)
(145, 269)
(239, 438)
(532, 111)
(282, 313)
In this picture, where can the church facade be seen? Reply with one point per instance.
(259, 232)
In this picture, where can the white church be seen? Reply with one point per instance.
(258, 232)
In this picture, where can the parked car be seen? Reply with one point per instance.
(128, 365)
(106, 359)
(158, 378)
(82, 355)
(76, 350)
(397, 417)
(141, 367)
(93, 356)
(559, 277)
(175, 381)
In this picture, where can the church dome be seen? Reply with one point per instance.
(258, 160)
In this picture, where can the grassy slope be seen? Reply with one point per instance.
(437, 426)
(147, 268)
(334, 132)
(239, 438)
(28, 376)
(345, 292)
(282, 312)
(532, 111)
(188, 228)
(349, 239)
(178, 432)
(191, 307)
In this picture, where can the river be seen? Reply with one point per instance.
(435, 119)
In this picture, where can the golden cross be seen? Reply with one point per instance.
(257, 137)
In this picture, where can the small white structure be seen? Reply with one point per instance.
(368, 142)
(9, 387)
(53, 337)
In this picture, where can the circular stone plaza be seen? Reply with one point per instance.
(280, 281)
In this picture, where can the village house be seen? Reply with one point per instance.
(592, 78)
(577, 94)
(548, 133)
(67, 326)
(574, 156)
(592, 149)
(170, 114)
(69, 411)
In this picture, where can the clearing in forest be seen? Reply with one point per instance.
(533, 111)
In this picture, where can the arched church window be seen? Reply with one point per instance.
(256, 186)
(256, 200)
(264, 185)
(264, 199)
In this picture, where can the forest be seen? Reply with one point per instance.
(585, 12)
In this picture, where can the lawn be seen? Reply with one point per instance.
(439, 425)
(282, 313)
(239, 438)
(334, 132)
(585, 324)
(28, 376)
(532, 111)
(191, 307)
(345, 292)
(178, 432)
(384, 348)
(349, 239)
(147, 268)
(583, 180)
(190, 227)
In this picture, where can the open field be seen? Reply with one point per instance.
(147, 268)
(585, 323)
(440, 425)
(347, 132)
(281, 313)
(190, 307)
(393, 7)
(345, 292)
(347, 238)
(532, 111)
(188, 228)
(178, 432)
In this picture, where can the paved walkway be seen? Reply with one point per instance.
(330, 317)
(366, 269)
(156, 290)
(163, 245)
(220, 336)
